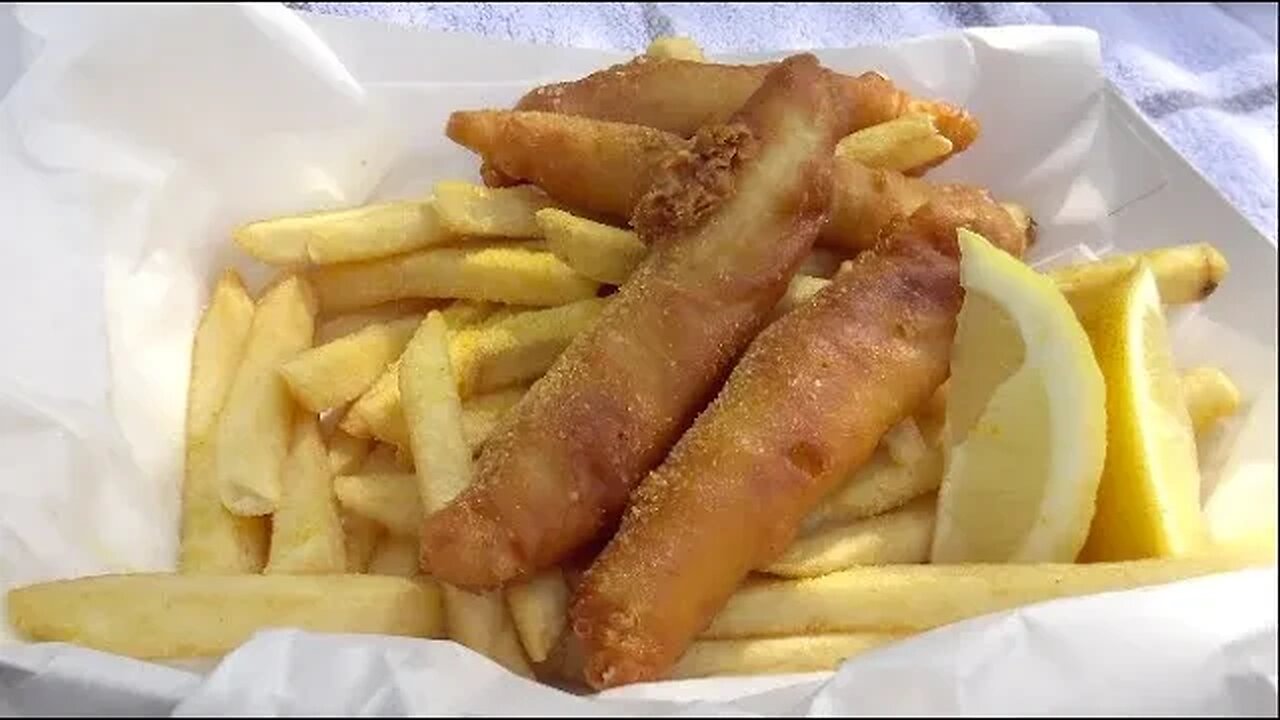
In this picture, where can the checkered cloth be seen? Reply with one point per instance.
(1205, 74)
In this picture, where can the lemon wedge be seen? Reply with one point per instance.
(1241, 513)
(1025, 431)
(1149, 499)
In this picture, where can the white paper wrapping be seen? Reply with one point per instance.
(138, 137)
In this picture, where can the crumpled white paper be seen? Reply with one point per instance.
(137, 137)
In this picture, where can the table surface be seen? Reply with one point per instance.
(1204, 74)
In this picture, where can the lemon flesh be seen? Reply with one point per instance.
(1149, 499)
(1025, 431)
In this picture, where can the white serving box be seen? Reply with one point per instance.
(137, 137)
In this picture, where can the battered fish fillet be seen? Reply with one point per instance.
(600, 168)
(551, 149)
(807, 403)
(680, 96)
(729, 221)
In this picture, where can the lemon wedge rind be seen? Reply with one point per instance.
(1148, 502)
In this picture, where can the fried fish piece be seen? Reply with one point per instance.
(807, 403)
(729, 220)
(680, 96)
(601, 167)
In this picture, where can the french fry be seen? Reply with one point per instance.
(918, 154)
(519, 348)
(482, 413)
(675, 48)
(821, 263)
(465, 313)
(884, 482)
(479, 211)
(775, 656)
(565, 664)
(328, 420)
(376, 413)
(385, 459)
(157, 616)
(337, 326)
(353, 423)
(433, 411)
(404, 457)
(361, 233)
(360, 538)
(485, 358)
(896, 598)
(254, 426)
(395, 556)
(880, 485)
(212, 539)
(869, 143)
(329, 375)
(1240, 514)
(391, 500)
(801, 288)
(306, 530)
(905, 442)
(346, 452)
(483, 623)
(898, 536)
(500, 313)
(1210, 396)
(498, 272)
(603, 253)
(216, 353)
(610, 255)
(1184, 273)
(540, 610)
(909, 141)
